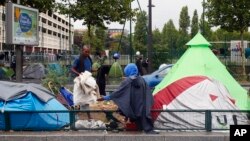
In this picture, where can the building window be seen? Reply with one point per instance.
(44, 30)
(44, 20)
(55, 17)
(49, 32)
(49, 23)
(54, 33)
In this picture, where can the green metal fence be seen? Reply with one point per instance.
(208, 116)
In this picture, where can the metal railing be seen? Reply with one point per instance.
(207, 118)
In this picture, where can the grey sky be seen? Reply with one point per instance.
(163, 11)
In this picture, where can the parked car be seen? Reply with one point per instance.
(156, 77)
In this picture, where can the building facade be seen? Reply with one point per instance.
(114, 32)
(55, 34)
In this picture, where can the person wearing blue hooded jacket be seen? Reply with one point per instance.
(134, 99)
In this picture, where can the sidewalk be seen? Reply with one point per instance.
(111, 136)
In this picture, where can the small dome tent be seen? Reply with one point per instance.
(30, 97)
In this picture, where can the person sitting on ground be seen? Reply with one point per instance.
(134, 99)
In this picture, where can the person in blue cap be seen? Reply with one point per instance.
(134, 99)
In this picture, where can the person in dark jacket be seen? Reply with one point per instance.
(134, 99)
(102, 71)
(139, 64)
(101, 78)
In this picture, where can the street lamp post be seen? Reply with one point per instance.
(130, 38)
(149, 47)
(70, 44)
(19, 60)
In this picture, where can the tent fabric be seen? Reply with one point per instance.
(33, 121)
(200, 60)
(199, 93)
(198, 41)
(36, 70)
(11, 90)
(68, 96)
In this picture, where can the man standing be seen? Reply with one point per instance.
(83, 63)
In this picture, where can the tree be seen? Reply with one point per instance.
(96, 38)
(158, 49)
(78, 34)
(206, 28)
(231, 16)
(169, 37)
(140, 34)
(194, 24)
(100, 34)
(97, 12)
(184, 21)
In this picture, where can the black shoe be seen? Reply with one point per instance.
(152, 132)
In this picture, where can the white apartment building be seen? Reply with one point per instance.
(54, 33)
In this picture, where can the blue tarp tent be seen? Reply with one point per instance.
(30, 97)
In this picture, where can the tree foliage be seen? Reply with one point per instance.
(140, 34)
(230, 15)
(96, 38)
(194, 24)
(169, 38)
(184, 24)
(97, 12)
(206, 29)
(184, 21)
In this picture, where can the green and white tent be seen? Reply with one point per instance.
(199, 81)
(199, 60)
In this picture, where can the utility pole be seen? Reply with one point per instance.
(149, 47)
(70, 44)
(130, 38)
(19, 60)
